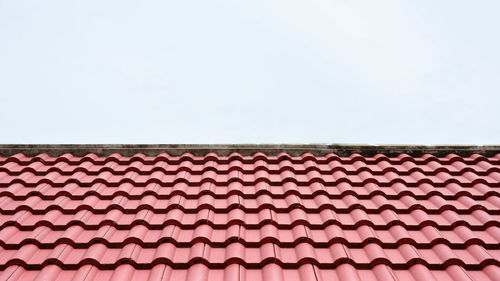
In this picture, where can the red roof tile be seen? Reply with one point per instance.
(260, 217)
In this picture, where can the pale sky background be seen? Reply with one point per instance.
(425, 72)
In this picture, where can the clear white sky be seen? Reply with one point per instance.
(250, 71)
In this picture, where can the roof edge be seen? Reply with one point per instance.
(246, 149)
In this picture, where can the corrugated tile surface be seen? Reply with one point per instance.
(249, 217)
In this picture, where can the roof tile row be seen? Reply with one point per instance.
(407, 167)
(461, 236)
(415, 178)
(199, 272)
(416, 219)
(220, 159)
(18, 191)
(377, 203)
(439, 256)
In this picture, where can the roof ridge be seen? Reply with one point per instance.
(248, 149)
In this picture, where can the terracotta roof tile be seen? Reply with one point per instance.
(250, 218)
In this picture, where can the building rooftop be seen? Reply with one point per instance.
(249, 212)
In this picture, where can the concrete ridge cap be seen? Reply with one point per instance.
(317, 149)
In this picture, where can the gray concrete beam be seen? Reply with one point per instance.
(245, 149)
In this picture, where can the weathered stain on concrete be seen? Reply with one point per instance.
(245, 149)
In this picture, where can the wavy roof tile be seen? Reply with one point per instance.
(231, 216)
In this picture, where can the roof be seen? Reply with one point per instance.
(249, 213)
